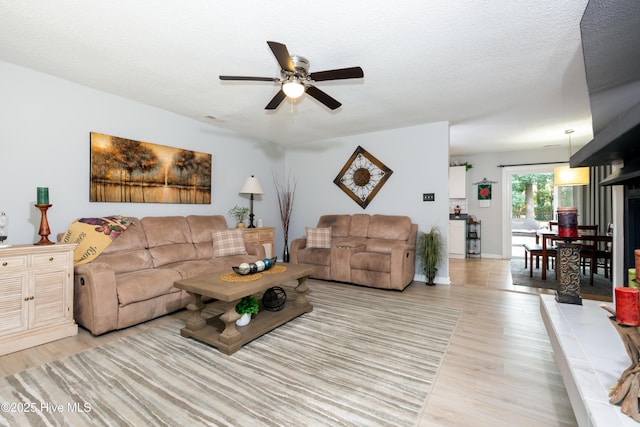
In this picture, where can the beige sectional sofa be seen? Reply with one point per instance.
(131, 281)
(370, 250)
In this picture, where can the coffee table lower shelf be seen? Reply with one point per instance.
(260, 324)
(221, 331)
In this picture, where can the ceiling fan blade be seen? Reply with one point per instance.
(323, 97)
(247, 78)
(339, 74)
(281, 53)
(276, 100)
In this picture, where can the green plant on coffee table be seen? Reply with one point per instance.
(248, 304)
(430, 252)
(239, 213)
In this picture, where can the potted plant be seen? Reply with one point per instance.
(240, 214)
(245, 308)
(430, 253)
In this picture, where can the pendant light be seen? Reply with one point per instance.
(566, 175)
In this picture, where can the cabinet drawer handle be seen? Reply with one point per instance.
(51, 259)
(28, 298)
(4, 264)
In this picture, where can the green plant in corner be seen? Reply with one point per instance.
(430, 252)
(248, 304)
(240, 214)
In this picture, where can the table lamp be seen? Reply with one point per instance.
(251, 186)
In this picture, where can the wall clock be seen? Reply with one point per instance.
(362, 177)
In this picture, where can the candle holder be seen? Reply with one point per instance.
(44, 226)
(568, 264)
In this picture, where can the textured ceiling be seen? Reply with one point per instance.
(507, 75)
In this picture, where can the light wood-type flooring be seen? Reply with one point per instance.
(499, 369)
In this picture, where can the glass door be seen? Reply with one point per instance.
(531, 201)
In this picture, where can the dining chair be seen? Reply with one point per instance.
(604, 254)
(588, 250)
(553, 226)
(535, 250)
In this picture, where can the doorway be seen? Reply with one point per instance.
(530, 203)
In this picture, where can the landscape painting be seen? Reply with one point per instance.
(128, 171)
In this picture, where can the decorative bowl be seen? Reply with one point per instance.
(237, 270)
(243, 269)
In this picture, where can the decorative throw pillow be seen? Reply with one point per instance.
(228, 242)
(319, 237)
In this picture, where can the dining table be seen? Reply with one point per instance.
(552, 236)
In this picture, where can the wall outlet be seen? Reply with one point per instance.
(429, 197)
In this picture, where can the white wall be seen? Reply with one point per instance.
(419, 158)
(486, 165)
(44, 134)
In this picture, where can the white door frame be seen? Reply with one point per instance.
(507, 197)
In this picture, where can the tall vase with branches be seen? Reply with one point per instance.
(286, 195)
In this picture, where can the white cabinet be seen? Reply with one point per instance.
(457, 182)
(36, 295)
(457, 239)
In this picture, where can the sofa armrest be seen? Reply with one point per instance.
(95, 297)
(256, 249)
(403, 264)
(296, 245)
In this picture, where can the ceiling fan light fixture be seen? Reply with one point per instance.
(293, 88)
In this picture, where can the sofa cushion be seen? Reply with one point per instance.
(132, 238)
(201, 227)
(169, 239)
(382, 246)
(359, 225)
(339, 224)
(166, 230)
(318, 237)
(228, 242)
(371, 261)
(145, 284)
(389, 227)
(199, 267)
(126, 261)
(316, 256)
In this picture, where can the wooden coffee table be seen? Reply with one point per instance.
(221, 331)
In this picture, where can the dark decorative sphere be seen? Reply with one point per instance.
(267, 263)
(274, 299)
(253, 268)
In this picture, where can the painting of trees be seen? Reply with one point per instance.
(125, 170)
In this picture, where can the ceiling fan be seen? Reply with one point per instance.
(295, 78)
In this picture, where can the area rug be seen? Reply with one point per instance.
(359, 358)
(601, 289)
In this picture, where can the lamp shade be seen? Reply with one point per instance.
(566, 175)
(251, 186)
